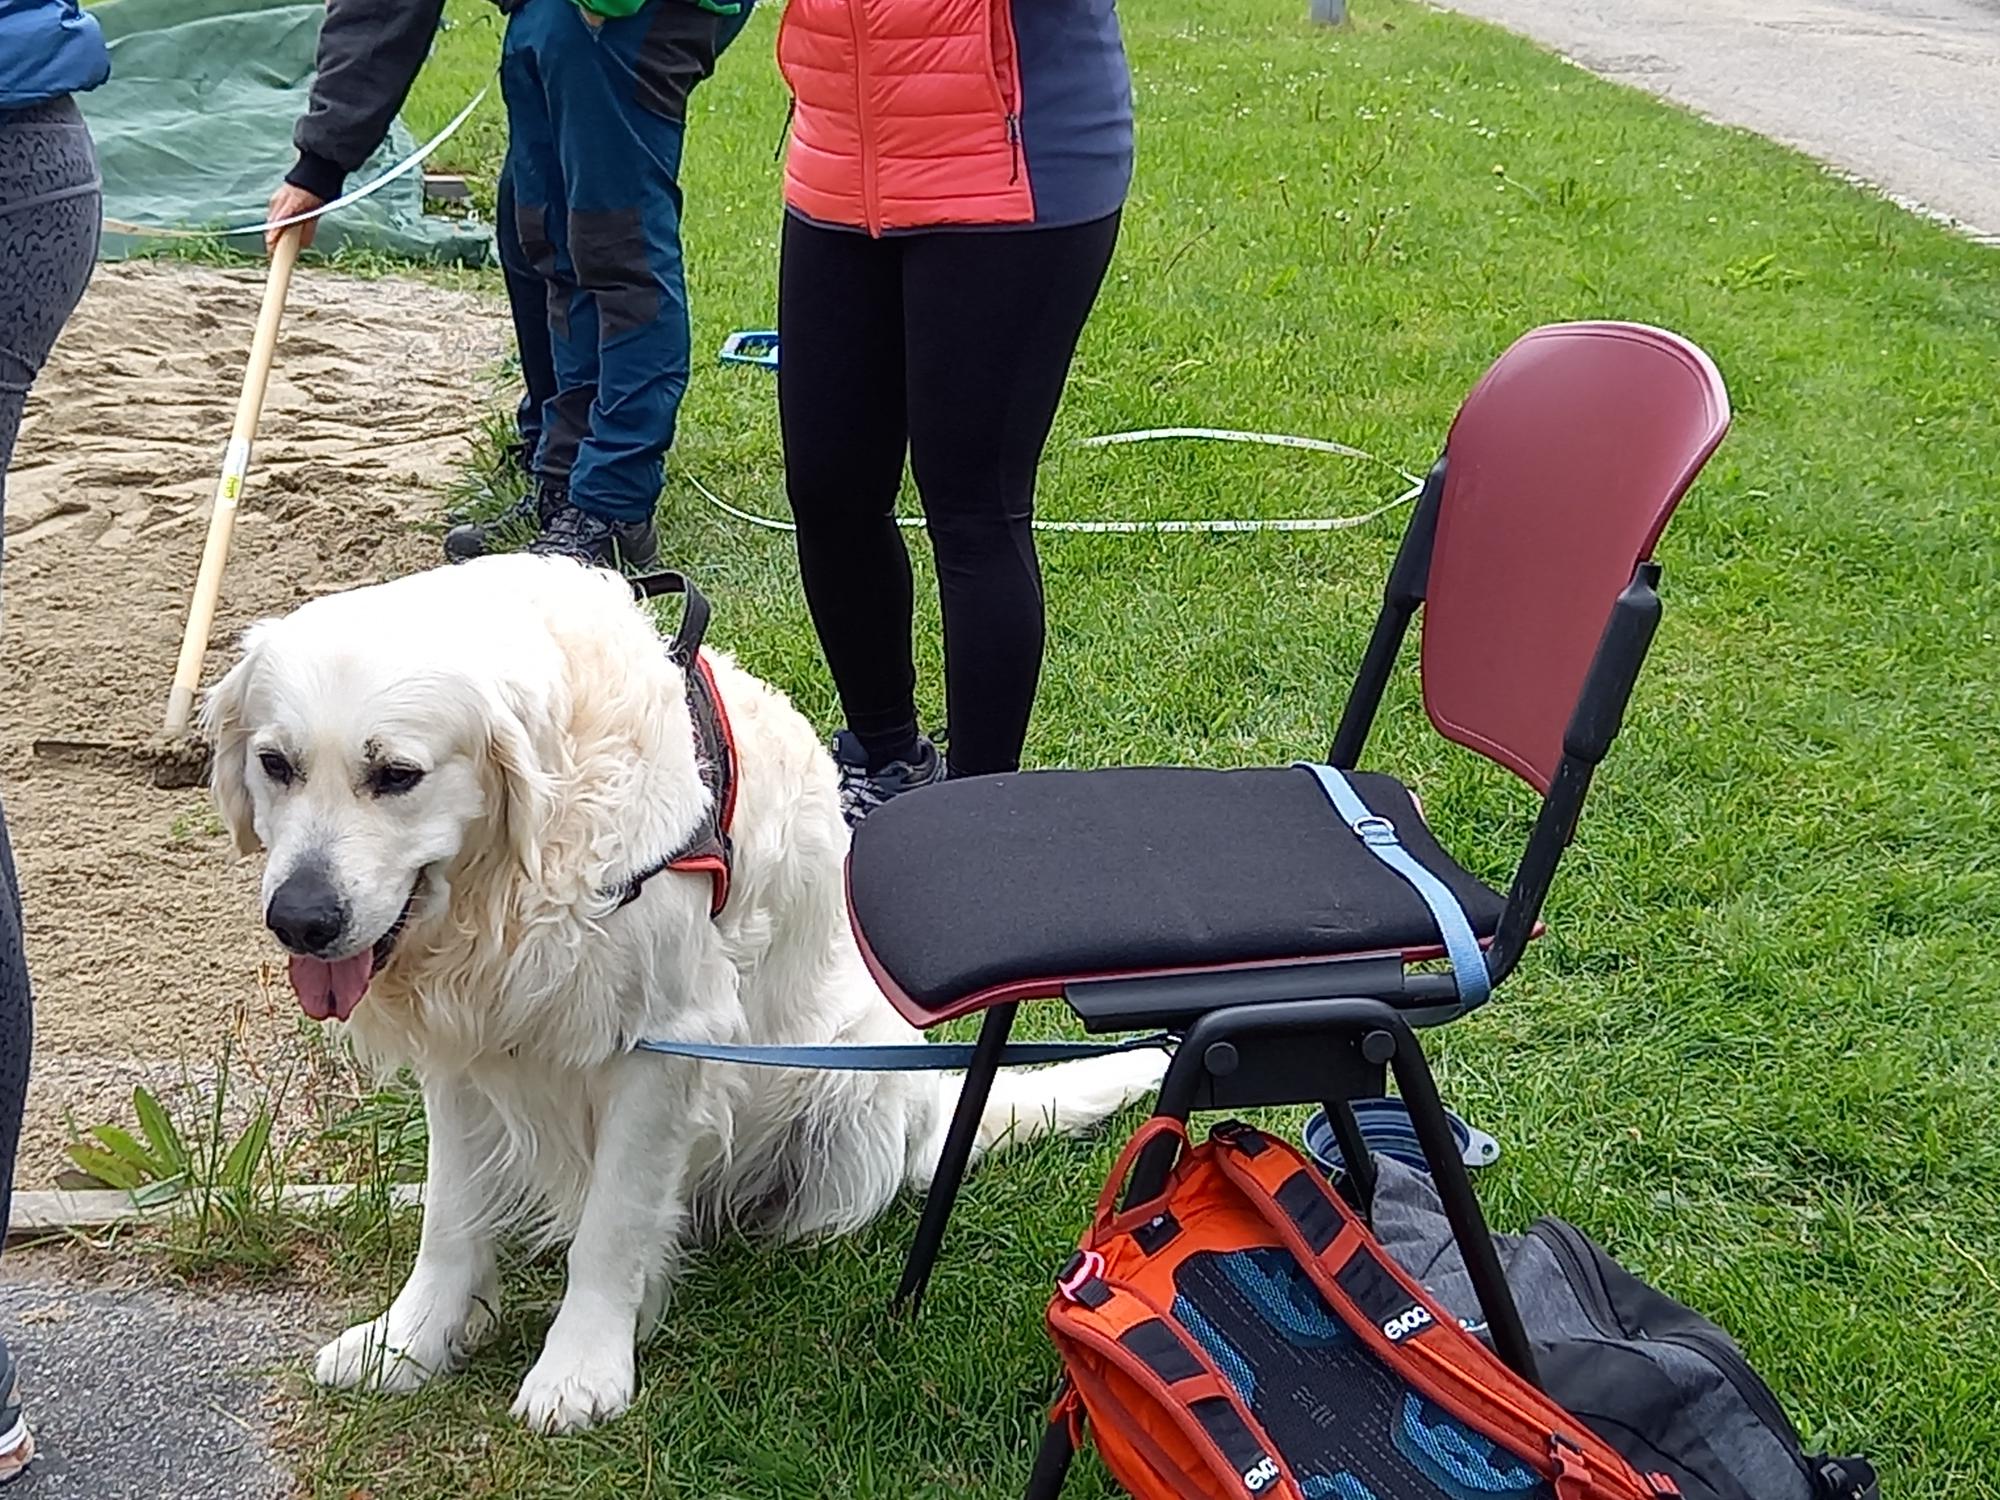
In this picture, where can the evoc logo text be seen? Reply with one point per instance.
(1404, 1324)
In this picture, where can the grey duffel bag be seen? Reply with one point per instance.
(1660, 1383)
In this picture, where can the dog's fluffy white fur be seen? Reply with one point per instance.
(554, 756)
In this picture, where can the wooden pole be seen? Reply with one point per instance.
(229, 488)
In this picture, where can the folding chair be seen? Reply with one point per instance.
(1238, 909)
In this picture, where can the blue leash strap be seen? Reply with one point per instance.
(1378, 836)
(921, 1057)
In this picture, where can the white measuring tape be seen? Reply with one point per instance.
(1150, 434)
(234, 463)
(401, 169)
(1231, 435)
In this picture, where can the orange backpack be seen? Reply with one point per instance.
(1243, 1335)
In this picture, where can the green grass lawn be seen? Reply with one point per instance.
(1758, 1053)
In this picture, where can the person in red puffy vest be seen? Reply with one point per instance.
(953, 185)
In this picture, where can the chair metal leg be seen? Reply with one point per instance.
(1052, 1462)
(1461, 1206)
(1354, 1155)
(957, 1152)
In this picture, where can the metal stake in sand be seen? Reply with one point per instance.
(229, 488)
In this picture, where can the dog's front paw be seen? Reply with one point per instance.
(568, 1394)
(368, 1357)
(421, 1335)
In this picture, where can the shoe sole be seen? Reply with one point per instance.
(17, 1451)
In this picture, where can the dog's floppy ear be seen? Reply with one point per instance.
(526, 787)
(227, 731)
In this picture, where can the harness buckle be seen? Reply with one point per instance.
(1375, 829)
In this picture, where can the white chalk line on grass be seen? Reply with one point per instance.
(1213, 526)
(1218, 526)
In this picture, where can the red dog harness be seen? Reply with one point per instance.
(707, 850)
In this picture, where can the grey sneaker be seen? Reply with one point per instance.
(630, 546)
(17, 1444)
(515, 526)
(863, 790)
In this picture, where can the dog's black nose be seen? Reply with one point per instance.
(306, 912)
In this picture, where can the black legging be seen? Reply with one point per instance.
(17, 1024)
(51, 205)
(954, 345)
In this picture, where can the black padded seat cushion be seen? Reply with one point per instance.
(994, 881)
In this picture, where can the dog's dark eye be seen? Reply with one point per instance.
(276, 767)
(394, 780)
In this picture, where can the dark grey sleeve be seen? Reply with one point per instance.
(370, 52)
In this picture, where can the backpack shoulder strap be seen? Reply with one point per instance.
(1122, 1326)
(1400, 1321)
(1287, 1190)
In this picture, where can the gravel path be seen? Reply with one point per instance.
(1902, 93)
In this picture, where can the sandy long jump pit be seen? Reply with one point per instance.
(143, 932)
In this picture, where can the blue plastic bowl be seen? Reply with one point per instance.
(1385, 1126)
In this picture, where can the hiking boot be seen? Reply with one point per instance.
(863, 790)
(623, 546)
(17, 1444)
(518, 524)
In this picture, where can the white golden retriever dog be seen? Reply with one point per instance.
(452, 777)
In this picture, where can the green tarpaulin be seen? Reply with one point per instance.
(194, 130)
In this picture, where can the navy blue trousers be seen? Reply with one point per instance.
(596, 113)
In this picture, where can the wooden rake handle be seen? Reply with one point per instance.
(229, 488)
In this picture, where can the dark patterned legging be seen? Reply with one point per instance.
(51, 208)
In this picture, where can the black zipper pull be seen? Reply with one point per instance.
(784, 133)
(1014, 140)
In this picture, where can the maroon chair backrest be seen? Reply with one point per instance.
(1561, 469)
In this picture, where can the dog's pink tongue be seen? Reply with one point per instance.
(330, 991)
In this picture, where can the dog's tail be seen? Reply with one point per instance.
(1059, 1100)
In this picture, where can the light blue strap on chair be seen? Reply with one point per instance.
(921, 1057)
(1378, 836)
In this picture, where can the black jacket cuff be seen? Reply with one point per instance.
(318, 176)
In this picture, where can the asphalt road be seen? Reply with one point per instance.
(1903, 93)
(141, 1393)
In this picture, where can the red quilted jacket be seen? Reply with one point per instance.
(919, 114)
